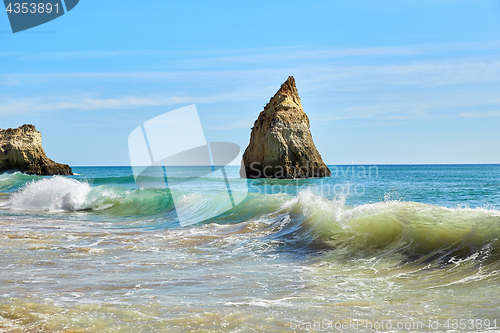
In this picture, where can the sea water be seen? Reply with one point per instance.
(372, 248)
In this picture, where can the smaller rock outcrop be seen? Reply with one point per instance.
(21, 149)
(281, 144)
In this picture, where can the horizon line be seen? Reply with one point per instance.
(361, 164)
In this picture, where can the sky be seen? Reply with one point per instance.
(383, 82)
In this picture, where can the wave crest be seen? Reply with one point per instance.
(305, 223)
(62, 194)
(407, 230)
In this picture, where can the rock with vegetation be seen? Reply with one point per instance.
(21, 150)
(281, 144)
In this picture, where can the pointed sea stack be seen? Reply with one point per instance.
(21, 149)
(281, 144)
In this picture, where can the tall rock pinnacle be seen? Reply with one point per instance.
(281, 144)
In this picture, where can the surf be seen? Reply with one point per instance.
(61, 194)
(402, 231)
(407, 231)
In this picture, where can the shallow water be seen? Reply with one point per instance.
(413, 247)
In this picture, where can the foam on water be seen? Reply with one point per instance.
(62, 194)
(10, 182)
(51, 194)
(271, 259)
(306, 222)
(402, 230)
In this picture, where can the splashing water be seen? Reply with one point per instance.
(95, 253)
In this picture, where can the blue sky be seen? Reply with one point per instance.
(382, 82)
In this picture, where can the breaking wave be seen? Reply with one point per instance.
(307, 222)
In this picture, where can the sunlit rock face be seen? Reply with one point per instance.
(281, 144)
(21, 149)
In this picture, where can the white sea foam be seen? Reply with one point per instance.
(62, 194)
(51, 194)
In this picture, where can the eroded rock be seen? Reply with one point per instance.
(21, 149)
(281, 144)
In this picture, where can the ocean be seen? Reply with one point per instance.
(392, 248)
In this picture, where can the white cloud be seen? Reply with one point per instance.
(267, 55)
(85, 55)
(480, 114)
(243, 123)
(10, 106)
(391, 89)
(86, 102)
(430, 73)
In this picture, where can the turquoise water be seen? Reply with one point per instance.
(416, 247)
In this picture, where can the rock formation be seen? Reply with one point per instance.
(21, 149)
(281, 144)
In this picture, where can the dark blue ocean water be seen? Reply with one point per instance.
(443, 185)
